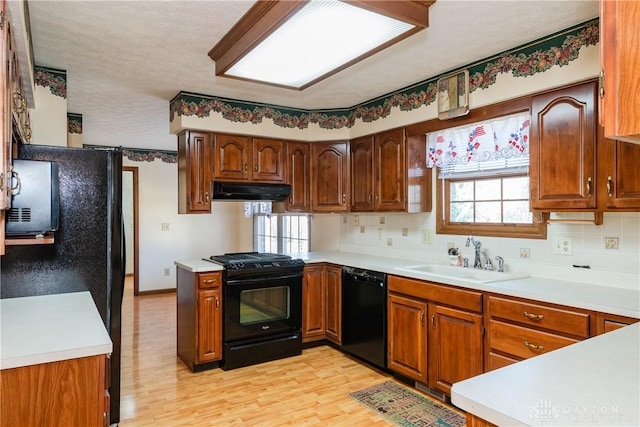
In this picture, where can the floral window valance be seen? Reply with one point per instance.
(494, 146)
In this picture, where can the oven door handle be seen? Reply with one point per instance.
(249, 280)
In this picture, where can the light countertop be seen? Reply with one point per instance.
(593, 382)
(50, 328)
(607, 299)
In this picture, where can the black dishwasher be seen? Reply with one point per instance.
(364, 315)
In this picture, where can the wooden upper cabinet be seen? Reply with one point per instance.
(329, 176)
(618, 174)
(390, 171)
(5, 100)
(268, 160)
(562, 151)
(232, 157)
(619, 57)
(361, 199)
(194, 172)
(299, 176)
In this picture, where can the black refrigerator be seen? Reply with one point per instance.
(88, 249)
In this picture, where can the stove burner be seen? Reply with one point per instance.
(256, 263)
(246, 257)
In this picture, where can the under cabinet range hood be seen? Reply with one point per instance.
(245, 191)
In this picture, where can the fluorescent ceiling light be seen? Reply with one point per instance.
(304, 42)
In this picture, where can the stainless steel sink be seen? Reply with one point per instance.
(466, 274)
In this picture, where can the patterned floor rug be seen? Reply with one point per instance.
(405, 408)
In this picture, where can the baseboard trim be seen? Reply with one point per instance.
(157, 291)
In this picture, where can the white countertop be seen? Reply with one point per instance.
(607, 299)
(50, 328)
(593, 382)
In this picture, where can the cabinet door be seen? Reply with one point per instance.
(407, 337)
(329, 177)
(209, 327)
(5, 99)
(268, 160)
(313, 304)
(194, 172)
(455, 346)
(562, 152)
(334, 304)
(232, 156)
(619, 174)
(299, 176)
(390, 164)
(361, 174)
(619, 56)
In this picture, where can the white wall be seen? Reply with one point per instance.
(189, 236)
(49, 118)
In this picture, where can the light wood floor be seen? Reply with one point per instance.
(159, 390)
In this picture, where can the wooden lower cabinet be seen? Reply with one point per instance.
(322, 303)
(455, 346)
(407, 337)
(65, 393)
(199, 317)
(429, 338)
(610, 322)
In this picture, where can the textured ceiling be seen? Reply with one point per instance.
(126, 59)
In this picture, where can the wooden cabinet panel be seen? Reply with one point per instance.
(5, 100)
(209, 280)
(313, 304)
(194, 172)
(390, 171)
(562, 151)
(329, 176)
(619, 57)
(541, 316)
(334, 304)
(610, 322)
(618, 174)
(455, 346)
(268, 160)
(447, 295)
(524, 342)
(209, 326)
(65, 393)
(407, 337)
(232, 156)
(496, 361)
(361, 174)
(299, 176)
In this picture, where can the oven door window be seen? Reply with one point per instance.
(264, 305)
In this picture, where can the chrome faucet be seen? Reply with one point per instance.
(500, 261)
(477, 262)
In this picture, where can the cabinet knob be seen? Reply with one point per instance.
(533, 316)
(206, 197)
(246, 168)
(589, 187)
(290, 200)
(610, 186)
(433, 320)
(255, 168)
(422, 318)
(370, 198)
(344, 199)
(217, 302)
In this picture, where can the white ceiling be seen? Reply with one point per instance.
(126, 59)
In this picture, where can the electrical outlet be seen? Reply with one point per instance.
(362, 229)
(356, 220)
(451, 246)
(405, 232)
(524, 253)
(380, 233)
(389, 241)
(427, 237)
(164, 226)
(383, 220)
(167, 271)
(563, 246)
(344, 219)
(611, 243)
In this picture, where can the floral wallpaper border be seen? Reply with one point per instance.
(74, 123)
(526, 60)
(142, 155)
(55, 80)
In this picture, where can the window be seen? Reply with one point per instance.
(281, 233)
(484, 183)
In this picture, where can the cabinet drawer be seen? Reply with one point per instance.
(540, 316)
(523, 342)
(209, 280)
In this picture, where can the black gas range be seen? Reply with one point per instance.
(256, 264)
(262, 306)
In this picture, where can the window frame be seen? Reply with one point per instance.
(280, 238)
(536, 230)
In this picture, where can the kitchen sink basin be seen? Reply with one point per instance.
(467, 274)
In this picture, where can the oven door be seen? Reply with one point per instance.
(262, 306)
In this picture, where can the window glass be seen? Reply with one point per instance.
(284, 233)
